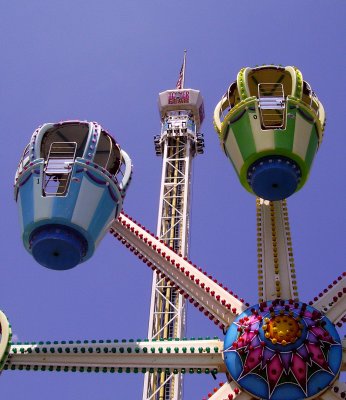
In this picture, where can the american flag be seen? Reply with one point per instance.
(180, 82)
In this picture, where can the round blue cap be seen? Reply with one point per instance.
(58, 247)
(274, 178)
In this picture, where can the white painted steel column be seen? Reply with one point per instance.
(167, 308)
(276, 269)
(175, 172)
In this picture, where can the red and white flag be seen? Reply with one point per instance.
(181, 79)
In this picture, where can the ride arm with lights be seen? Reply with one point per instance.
(229, 391)
(200, 356)
(205, 293)
(332, 301)
(343, 365)
(337, 391)
(276, 269)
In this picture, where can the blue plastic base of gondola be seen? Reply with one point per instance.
(274, 178)
(58, 247)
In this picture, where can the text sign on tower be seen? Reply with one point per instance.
(181, 97)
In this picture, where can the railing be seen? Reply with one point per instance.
(24, 160)
(271, 103)
(58, 168)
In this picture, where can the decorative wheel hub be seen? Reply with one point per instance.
(283, 350)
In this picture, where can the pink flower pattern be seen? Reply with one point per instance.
(294, 363)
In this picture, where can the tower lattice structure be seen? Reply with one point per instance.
(180, 140)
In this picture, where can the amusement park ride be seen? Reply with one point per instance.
(70, 186)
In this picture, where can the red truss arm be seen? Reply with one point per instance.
(332, 301)
(202, 290)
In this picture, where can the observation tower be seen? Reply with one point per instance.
(181, 113)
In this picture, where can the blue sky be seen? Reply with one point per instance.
(107, 61)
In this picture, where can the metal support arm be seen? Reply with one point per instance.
(201, 290)
(113, 356)
(336, 392)
(229, 391)
(276, 270)
(332, 301)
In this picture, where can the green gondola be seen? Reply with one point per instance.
(270, 124)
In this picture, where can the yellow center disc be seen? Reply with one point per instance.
(282, 329)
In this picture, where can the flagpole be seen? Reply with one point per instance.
(184, 64)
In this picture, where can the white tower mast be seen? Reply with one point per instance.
(181, 112)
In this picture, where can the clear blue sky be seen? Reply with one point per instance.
(107, 61)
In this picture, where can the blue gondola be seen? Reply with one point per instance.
(70, 184)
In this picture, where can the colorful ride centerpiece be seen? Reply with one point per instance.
(270, 125)
(283, 350)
